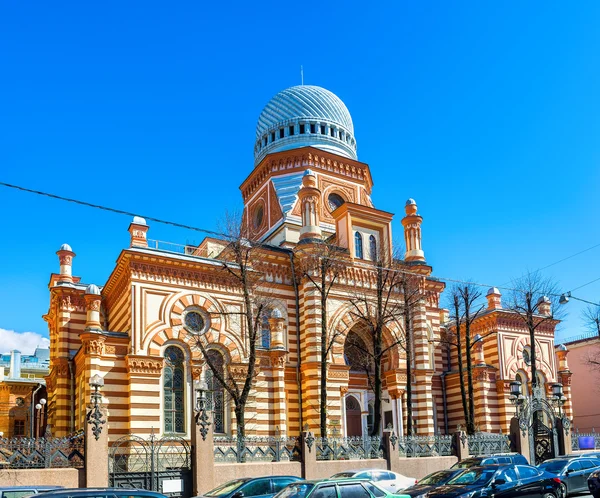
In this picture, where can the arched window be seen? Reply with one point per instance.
(265, 332)
(216, 390)
(173, 391)
(370, 418)
(358, 245)
(373, 247)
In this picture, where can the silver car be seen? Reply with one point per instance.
(573, 472)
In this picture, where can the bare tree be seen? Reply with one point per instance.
(390, 300)
(464, 312)
(534, 299)
(321, 265)
(591, 318)
(238, 260)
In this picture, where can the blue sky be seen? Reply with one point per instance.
(488, 114)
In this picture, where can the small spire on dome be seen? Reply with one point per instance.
(138, 220)
(65, 247)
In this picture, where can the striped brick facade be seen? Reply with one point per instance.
(122, 332)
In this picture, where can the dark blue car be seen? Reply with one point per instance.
(255, 487)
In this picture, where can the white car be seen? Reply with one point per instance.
(386, 479)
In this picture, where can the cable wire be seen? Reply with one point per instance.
(218, 234)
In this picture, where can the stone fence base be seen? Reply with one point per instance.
(67, 478)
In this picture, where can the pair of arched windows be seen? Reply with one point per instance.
(174, 387)
(358, 246)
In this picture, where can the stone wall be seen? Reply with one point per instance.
(67, 478)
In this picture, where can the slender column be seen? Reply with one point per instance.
(394, 415)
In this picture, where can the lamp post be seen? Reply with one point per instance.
(94, 416)
(202, 419)
(39, 413)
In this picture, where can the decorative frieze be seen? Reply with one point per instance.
(145, 365)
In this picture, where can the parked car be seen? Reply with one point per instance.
(20, 491)
(500, 481)
(263, 487)
(334, 488)
(589, 454)
(431, 482)
(101, 493)
(593, 483)
(390, 481)
(499, 458)
(573, 471)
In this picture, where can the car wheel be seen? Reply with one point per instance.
(548, 495)
(563, 490)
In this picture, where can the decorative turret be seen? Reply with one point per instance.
(561, 354)
(412, 232)
(92, 304)
(494, 299)
(65, 258)
(310, 196)
(138, 230)
(544, 306)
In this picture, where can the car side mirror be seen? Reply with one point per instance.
(498, 482)
(567, 472)
(238, 494)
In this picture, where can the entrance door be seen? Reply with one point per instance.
(353, 417)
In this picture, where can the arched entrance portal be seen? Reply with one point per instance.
(353, 417)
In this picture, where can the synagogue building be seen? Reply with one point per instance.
(307, 183)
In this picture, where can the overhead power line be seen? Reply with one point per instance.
(218, 234)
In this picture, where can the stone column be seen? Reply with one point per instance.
(392, 454)
(461, 444)
(309, 456)
(278, 399)
(203, 463)
(96, 454)
(519, 441)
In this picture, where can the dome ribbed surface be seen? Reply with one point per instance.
(305, 116)
(304, 101)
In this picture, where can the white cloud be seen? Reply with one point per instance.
(26, 342)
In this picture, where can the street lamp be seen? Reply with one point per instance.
(94, 416)
(202, 419)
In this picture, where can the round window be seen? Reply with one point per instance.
(257, 219)
(194, 321)
(335, 201)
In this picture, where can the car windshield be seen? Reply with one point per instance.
(554, 467)
(296, 490)
(435, 478)
(225, 489)
(343, 475)
(477, 477)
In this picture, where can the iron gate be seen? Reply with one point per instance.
(544, 438)
(162, 465)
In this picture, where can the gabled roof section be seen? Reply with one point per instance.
(286, 188)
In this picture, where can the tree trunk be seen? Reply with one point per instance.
(408, 348)
(471, 420)
(324, 346)
(377, 384)
(459, 352)
(531, 327)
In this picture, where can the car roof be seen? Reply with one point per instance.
(37, 486)
(318, 481)
(363, 470)
(88, 490)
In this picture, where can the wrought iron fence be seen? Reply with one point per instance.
(585, 440)
(43, 452)
(348, 448)
(421, 446)
(257, 449)
(484, 443)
